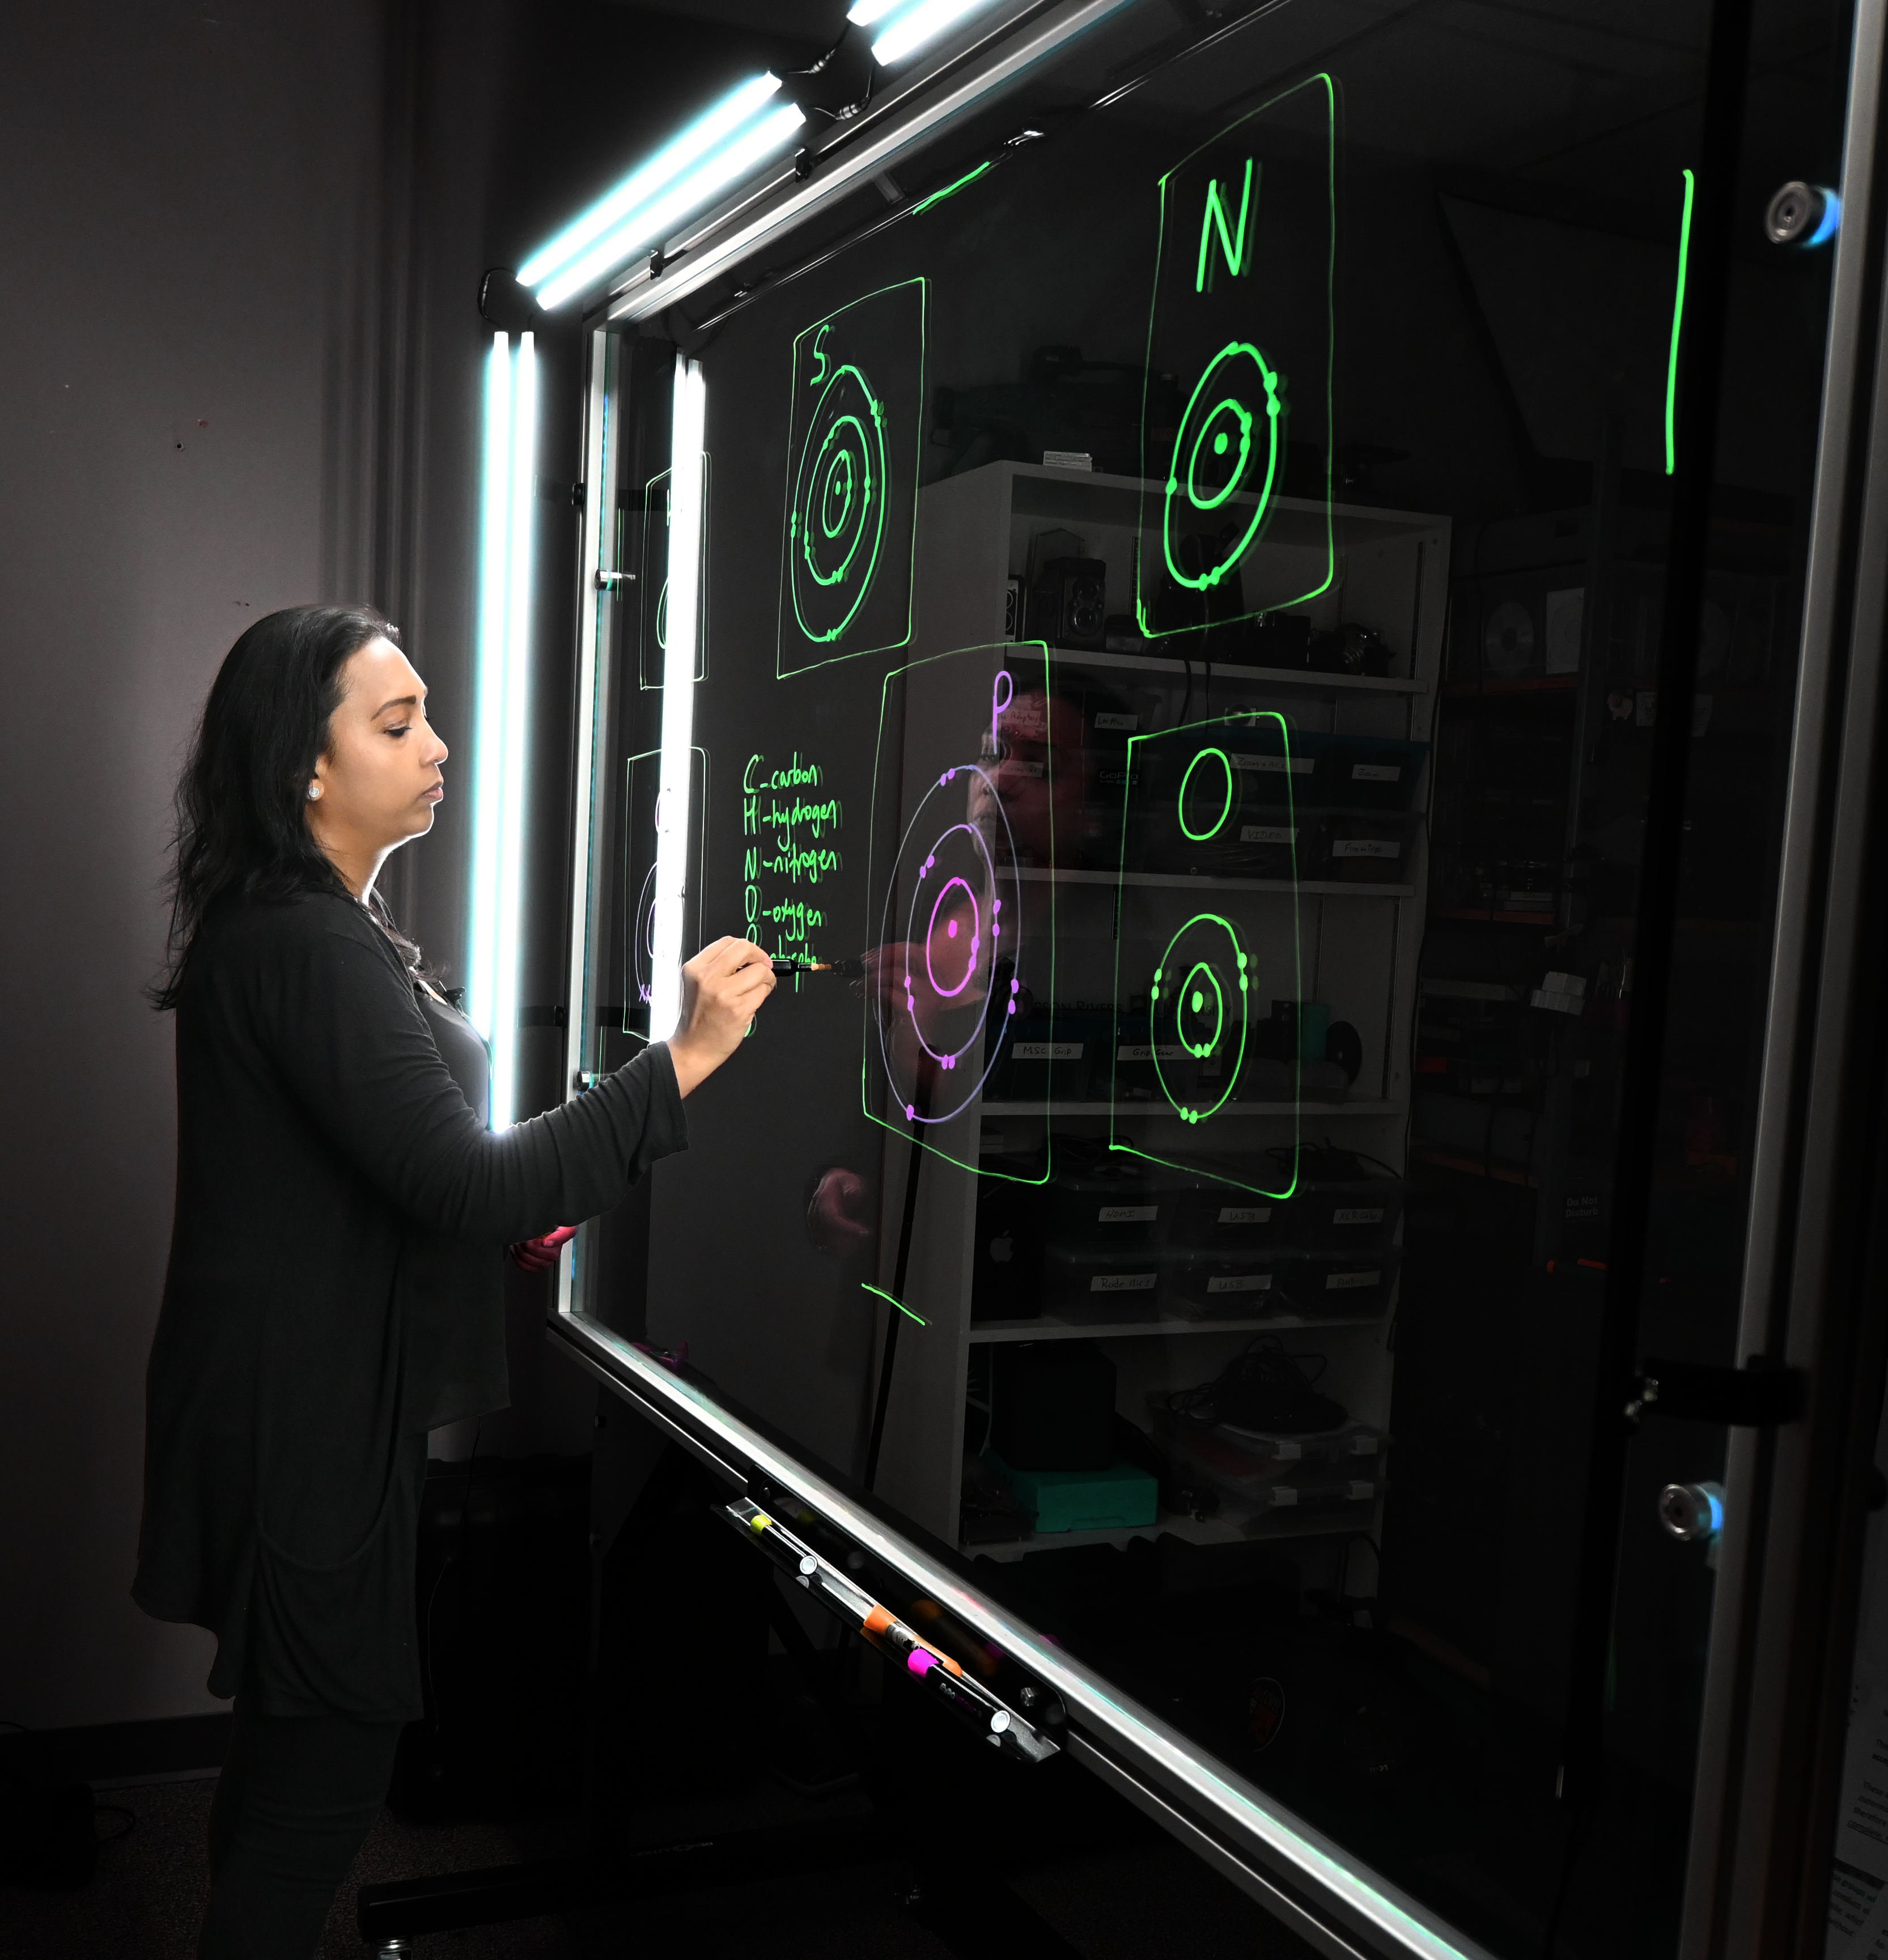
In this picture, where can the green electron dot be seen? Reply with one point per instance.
(1242, 962)
(1219, 443)
(1199, 1001)
(1243, 987)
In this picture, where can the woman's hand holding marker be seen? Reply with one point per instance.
(723, 988)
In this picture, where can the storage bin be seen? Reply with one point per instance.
(1119, 1200)
(1232, 1288)
(1075, 1277)
(1347, 1284)
(1365, 850)
(1049, 1058)
(1274, 770)
(1354, 1215)
(1371, 772)
(1119, 1496)
(1218, 1219)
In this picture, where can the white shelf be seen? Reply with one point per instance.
(1053, 1326)
(1362, 1107)
(1171, 664)
(1291, 1522)
(1186, 881)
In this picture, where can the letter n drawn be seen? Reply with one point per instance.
(1231, 244)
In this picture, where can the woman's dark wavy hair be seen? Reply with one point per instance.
(242, 809)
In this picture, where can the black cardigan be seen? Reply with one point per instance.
(334, 1287)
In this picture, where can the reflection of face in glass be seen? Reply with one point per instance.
(1033, 755)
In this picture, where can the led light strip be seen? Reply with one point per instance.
(906, 26)
(672, 817)
(713, 153)
(501, 699)
(717, 247)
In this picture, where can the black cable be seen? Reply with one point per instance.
(1563, 1888)
(895, 1311)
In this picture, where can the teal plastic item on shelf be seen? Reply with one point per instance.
(1119, 1498)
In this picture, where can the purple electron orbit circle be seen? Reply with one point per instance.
(970, 966)
(990, 878)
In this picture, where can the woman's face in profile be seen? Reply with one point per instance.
(380, 780)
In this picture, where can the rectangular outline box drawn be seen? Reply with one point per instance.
(798, 650)
(650, 610)
(1222, 243)
(692, 907)
(1000, 654)
(1244, 722)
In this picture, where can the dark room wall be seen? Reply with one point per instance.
(190, 204)
(242, 357)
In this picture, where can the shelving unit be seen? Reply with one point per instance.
(1357, 945)
(1368, 1106)
(1182, 881)
(1054, 1327)
(1284, 1523)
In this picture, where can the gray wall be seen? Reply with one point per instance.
(211, 411)
(239, 369)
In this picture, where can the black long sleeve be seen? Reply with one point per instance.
(337, 1015)
(335, 1290)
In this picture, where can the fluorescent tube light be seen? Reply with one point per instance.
(651, 179)
(673, 816)
(917, 25)
(868, 13)
(502, 704)
(651, 222)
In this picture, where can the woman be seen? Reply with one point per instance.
(341, 1214)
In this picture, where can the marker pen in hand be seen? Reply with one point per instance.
(786, 969)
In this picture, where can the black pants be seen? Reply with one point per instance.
(296, 1796)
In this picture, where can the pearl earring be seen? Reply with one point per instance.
(314, 792)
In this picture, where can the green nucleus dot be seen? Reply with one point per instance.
(1199, 1000)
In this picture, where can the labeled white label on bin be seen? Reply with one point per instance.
(1245, 1214)
(1122, 1282)
(1283, 1494)
(1268, 833)
(1342, 1282)
(1278, 765)
(1047, 1050)
(1360, 1490)
(1143, 1052)
(1363, 1445)
(1239, 1283)
(1366, 847)
(1372, 1216)
(1377, 772)
(1128, 1214)
(1129, 721)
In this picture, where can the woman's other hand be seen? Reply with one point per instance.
(722, 989)
(540, 1255)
